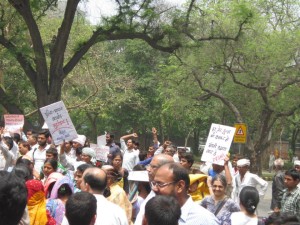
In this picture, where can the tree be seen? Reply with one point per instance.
(47, 62)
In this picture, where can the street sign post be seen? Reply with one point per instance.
(240, 135)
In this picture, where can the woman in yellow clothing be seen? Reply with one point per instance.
(198, 187)
(116, 162)
(36, 204)
(117, 194)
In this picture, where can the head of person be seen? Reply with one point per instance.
(62, 189)
(33, 139)
(136, 144)
(243, 166)
(79, 141)
(94, 181)
(13, 198)
(117, 159)
(24, 147)
(43, 136)
(150, 152)
(88, 154)
(68, 145)
(81, 209)
(109, 138)
(279, 163)
(171, 179)
(78, 153)
(112, 174)
(219, 185)
(217, 168)
(26, 162)
(130, 144)
(16, 137)
(291, 179)
(79, 173)
(170, 150)
(181, 151)
(52, 153)
(156, 162)
(164, 210)
(9, 142)
(234, 161)
(297, 165)
(249, 199)
(29, 133)
(50, 166)
(22, 171)
(187, 160)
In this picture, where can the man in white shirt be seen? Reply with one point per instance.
(245, 178)
(108, 213)
(130, 155)
(39, 153)
(173, 180)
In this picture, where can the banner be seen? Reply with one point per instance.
(13, 123)
(59, 122)
(218, 144)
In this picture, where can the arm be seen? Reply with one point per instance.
(129, 136)
(209, 184)
(122, 141)
(155, 140)
(227, 171)
(263, 186)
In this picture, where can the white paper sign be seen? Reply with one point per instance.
(13, 122)
(59, 122)
(101, 140)
(218, 144)
(102, 152)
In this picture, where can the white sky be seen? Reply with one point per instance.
(94, 8)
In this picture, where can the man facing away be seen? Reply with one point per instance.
(95, 181)
(173, 180)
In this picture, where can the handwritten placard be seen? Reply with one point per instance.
(101, 140)
(102, 152)
(59, 122)
(13, 122)
(218, 143)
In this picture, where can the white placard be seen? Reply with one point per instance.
(102, 152)
(218, 143)
(13, 123)
(101, 140)
(59, 122)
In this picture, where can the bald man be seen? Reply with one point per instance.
(156, 162)
(94, 181)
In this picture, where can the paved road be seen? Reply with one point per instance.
(264, 205)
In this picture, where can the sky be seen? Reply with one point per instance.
(94, 8)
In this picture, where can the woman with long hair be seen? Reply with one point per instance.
(249, 199)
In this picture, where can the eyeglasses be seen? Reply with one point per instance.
(160, 185)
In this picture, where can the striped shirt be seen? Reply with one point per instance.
(291, 201)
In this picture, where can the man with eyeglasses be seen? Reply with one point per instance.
(172, 179)
(156, 162)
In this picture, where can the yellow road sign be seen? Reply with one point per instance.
(240, 135)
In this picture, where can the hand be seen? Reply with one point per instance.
(226, 160)
(154, 131)
(134, 135)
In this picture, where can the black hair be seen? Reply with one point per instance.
(286, 218)
(44, 132)
(293, 173)
(115, 154)
(64, 190)
(142, 155)
(189, 157)
(79, 150)
(9, 141)
(21, 170)
(16, 137)
(52, 162)
(83, 167)
(179, 173)
(95, 182)
(220, 178)
(52, 151)
(81, 207)
(162, 210)
(13, 199)
(249, 198)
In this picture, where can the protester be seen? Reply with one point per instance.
(277, 185)
(78, 175)
(49, 167)
(117, 160)
(198, 187)
(88, 155)
(113, 148)
(249, 199)
(130, 155)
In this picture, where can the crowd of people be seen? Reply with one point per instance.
(44, 184)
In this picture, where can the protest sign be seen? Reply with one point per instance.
(101, 152)
(59, 122)
(13, 123)
(101, 140)
(218, 143)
